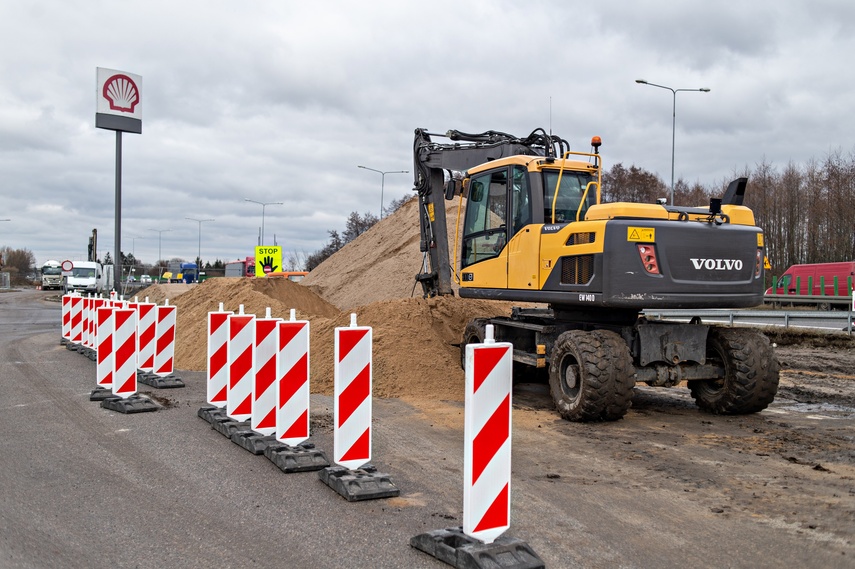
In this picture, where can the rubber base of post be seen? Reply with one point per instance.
(159, 381)
(457, 549)
(100, 394)
(227, 426)
(252, 441)
(301, 458)
(210, 412)
(133, 404)
(361, 484)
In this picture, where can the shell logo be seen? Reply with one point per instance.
(122, 93)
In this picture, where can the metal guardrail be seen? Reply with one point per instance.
(753, 316)
(808, 299)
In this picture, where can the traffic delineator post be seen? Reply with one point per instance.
(241, 362)
(164, 350)
(65, 335)
(125, 398)
(290, 452)
(263, 418)
(486, 468)
(218, 371)
(76, 318)
(353, 478)
(262, 421)
(162, 375)
(147, 323)
(292, 384)
(125, 351)
(103, 355)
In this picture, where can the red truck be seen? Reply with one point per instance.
(817, 279)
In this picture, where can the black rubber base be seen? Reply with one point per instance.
(133, 404)
(159, 381)
(100, 394)
(209, 413)
(252, 441)
(360, 484)
(454, 547)
(227, 426)
(301, 458)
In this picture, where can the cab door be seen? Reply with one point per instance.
(483, 260)
(524, 245)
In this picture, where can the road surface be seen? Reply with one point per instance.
(667, 486)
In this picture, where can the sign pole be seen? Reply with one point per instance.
(117, 259)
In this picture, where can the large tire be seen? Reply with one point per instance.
(474, 333)
(580, 376)
(751, 369)
(623, 371)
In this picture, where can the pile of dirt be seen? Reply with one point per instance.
(381, 264)
(415, 339)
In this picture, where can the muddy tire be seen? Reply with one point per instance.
(474, 333)
(751, 373)
(623, 371)
(580, 376)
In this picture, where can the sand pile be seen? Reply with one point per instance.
(415, 352)
(380, 264)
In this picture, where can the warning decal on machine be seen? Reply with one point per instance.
(642, 234)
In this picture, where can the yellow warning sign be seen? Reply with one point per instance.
(642, 234)
(267, 260)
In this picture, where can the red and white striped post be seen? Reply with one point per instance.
(104, 351)
(218, 370)
(292, 385)
(352, 391)
(84, 320)
(487, 439)
(147, 312)
(93, 320)
(263, 418)
(76, 319)
(124, 352)
(241, 362)
(164, 352)
(66, 316)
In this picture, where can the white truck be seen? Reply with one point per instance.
(52, 275)
(89, 277)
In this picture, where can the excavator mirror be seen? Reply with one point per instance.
(450, 189)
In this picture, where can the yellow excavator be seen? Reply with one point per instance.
(534, 230)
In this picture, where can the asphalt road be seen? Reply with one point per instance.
(86, 487)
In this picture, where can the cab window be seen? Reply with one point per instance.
(567, 199)
(484, 226)
(520, 200)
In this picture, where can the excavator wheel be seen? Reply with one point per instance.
(751, 373)
(582, 377)
(474, 333)
(617, 350)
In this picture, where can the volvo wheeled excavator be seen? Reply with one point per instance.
(534, 230)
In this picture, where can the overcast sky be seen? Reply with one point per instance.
(280, 101)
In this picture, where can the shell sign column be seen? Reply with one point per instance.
(118, 100)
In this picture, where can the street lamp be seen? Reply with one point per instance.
(134, 246)
(160, 233)
(199, 254)
(383, 182)
(263, 205)
(673, 121)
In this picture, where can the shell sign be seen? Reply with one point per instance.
(119, 100)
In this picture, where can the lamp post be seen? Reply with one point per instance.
(199, 221)
(383, 181)
(263, 205)
(134, 246)
(160, 233)
(673, 120)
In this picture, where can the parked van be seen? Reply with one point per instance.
(87, 277)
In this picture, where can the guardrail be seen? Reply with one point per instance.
(756, 317)
(808, 299)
